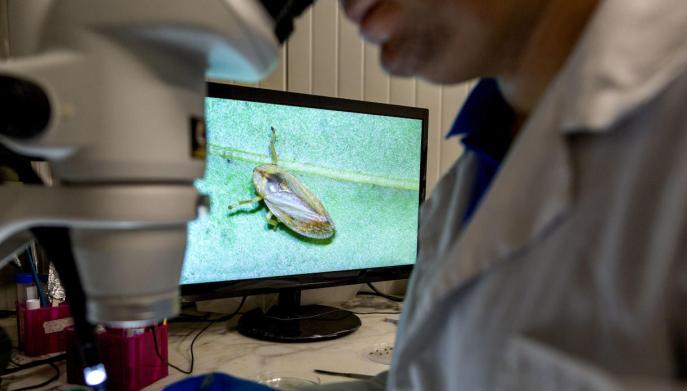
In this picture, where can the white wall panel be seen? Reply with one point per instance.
(376, 86)
(277, 79)
(325, 21)
(4, 31)
(402, 91)
(429, 97)
(300, 56)
(350, 59)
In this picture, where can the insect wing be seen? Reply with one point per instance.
(296, 214)
(287, 206)
(306, 195)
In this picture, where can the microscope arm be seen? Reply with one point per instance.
(101, 207)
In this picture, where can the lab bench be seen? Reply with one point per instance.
(222, 349)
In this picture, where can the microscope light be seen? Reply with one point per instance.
(95, 375)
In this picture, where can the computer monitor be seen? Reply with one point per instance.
(305, 192)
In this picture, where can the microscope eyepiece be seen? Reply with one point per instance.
(283, 13)
(25, 107)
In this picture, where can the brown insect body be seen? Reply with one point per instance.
(289, 200)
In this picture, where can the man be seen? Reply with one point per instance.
(562, 265)
(553, 255)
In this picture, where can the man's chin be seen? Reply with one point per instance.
(429, 68)
(433, 75)
(410, 69)
(400, 70)
(402, 64)
(397, 64)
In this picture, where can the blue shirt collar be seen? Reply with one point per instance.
(486, 122)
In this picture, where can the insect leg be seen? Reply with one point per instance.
(251, 201)
(273, 151)
(270, 221)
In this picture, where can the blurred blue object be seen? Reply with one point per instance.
(216, 382)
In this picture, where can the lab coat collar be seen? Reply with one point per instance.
(629, 52)
(531, 193)
(530, 196)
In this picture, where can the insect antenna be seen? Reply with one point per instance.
(273, 151)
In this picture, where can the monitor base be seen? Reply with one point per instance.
(309, 323)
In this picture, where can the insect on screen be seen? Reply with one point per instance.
(303, 185)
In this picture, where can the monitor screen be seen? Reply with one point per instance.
(305, 188)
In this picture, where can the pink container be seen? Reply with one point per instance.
(130, 361)
(41, 330)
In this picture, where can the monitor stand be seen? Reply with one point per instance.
(288, 321)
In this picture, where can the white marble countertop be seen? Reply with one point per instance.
(223, 349)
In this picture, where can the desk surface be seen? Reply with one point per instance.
(222, 349)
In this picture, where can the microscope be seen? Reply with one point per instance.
(111, 93)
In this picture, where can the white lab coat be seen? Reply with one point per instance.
(572, 273)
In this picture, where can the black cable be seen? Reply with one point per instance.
(230, 316)
(5, 350)
(159, 355)
(45, 383)
(376, 292)
(314, 316)
(7, 313)
(376, 313)
(210, 323)
(190, 319)
(33, 364)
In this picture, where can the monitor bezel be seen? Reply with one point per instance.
(220, 289)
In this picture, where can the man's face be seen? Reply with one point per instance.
(445, 41)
